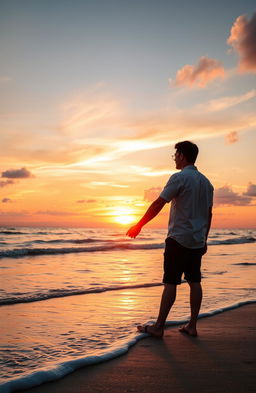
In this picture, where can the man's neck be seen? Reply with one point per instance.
(187, 164)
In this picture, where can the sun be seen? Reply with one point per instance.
(124, 219)
(124, 216)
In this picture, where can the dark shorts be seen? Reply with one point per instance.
(179, 260)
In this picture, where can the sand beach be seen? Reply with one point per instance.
(221, 359)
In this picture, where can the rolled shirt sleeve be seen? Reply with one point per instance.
(172, 188)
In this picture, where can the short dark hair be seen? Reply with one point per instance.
(189, 149)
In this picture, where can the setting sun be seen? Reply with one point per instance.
(124, 216)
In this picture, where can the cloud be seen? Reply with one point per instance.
(232, 137)
(199, 75)
(22, 213)
(84, 114)
(6, 183)
(227, 197)
(106, 183)
(150, 172)
(86, 201)
(55, 213)
(22, 173)
(152, 193)
(94, 145)
(5, 78)
(227, 102)
(243, 39)
(6, 200)
(251, 190)
(85, 126)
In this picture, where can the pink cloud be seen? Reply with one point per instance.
(225, 196)
(6, 200)
(199, 75)
(243, 39)
(232, 137)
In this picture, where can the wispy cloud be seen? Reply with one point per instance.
(4, 183)
(243, 39)
(90, 146)
(223, 103)
(150, 172)
(151, 131)
(86, 201)
(94, 184)
(199, 75)
(14, 214)
(91, 111)
(55, 213)
(5, 78)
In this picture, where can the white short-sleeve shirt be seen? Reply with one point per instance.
(191, 194)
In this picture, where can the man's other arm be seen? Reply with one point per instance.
(152, 211)
(208, 229)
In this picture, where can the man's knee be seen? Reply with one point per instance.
(194, 284)
(168, 285)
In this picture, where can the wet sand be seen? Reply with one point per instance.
(222, 359)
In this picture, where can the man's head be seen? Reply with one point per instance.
(186, 154)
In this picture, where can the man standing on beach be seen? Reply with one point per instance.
(191, 194)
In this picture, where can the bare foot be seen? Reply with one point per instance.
(152, 330)
(188, 330)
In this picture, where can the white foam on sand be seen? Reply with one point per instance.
(60, 370)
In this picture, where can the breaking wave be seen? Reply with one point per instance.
(55, 293)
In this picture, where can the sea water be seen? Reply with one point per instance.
(73, 297)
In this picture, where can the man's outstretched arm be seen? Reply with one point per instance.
(152, 211)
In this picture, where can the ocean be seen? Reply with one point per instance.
(72, 297)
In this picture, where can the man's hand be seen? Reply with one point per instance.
(152, 211)
(134, 231)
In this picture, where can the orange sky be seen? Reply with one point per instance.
(90, 115)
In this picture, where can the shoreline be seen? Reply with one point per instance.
(224, 348)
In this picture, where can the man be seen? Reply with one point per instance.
(191, 194)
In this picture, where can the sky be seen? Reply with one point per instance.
(94, 94)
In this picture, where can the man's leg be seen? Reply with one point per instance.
(195, 304)
(167, 300)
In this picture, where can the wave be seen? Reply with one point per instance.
(21, 252)
(15, 232)
(75, 241)
(56, 293)
(62, 369)
(81, 241)
(108, 245)
(238, 240)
